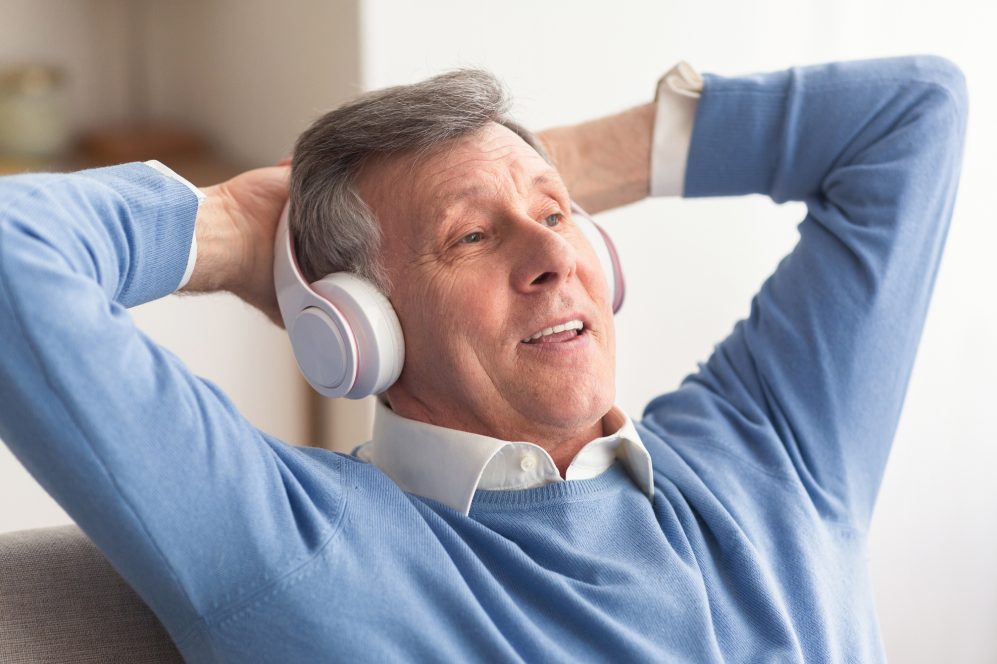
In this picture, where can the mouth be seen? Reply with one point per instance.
(557, 334)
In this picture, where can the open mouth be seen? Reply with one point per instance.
(557, 334)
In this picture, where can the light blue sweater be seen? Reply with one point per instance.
(767, 460)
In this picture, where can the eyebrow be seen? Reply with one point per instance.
(545, 178)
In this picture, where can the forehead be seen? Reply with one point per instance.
(466, 168)
(493, 162)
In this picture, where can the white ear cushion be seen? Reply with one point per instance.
(602, 252)
(376, 331)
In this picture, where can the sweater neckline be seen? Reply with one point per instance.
(615, 478)
(448, 466)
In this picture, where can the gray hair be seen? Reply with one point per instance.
(333, 228)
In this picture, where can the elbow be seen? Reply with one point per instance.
(946, 85)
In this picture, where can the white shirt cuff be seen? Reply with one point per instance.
(192, 253)
(678, 98)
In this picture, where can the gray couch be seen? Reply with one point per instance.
(61, 601)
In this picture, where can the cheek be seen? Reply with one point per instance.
(445, 320)
(472, 314)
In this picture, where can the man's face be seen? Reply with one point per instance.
(482, 254)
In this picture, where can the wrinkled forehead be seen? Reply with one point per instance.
(415, 193)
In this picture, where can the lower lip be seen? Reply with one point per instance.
(578, 343)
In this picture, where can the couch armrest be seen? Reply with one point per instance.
(61, 601)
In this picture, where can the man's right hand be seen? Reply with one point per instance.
(236, 225)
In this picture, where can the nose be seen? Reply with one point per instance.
(544, 258)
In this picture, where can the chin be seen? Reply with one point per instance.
(574, 408)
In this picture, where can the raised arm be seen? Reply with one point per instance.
(235, 230)
(605, 163)
(194, 506)
(823, 360)
(622, 158)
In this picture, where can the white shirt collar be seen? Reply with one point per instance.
(448, 466)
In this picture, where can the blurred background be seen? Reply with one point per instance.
(216, 86)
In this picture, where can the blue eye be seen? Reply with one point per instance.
(552, 219)
(472, 238)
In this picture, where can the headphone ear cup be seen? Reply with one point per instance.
(605, 250)
(345, 334)
(376, 331)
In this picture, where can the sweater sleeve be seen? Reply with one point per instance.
(194, 506)
(874, 150)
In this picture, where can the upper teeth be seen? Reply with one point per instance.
(570, 325)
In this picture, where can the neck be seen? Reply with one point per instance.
(564, 453)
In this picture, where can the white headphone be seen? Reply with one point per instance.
(345, 334)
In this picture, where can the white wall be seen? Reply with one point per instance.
(694, 265)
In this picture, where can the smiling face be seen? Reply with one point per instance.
(483, 256)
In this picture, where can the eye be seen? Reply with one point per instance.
(553, 219)
(472, 238)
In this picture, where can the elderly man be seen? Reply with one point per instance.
(504, 509)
